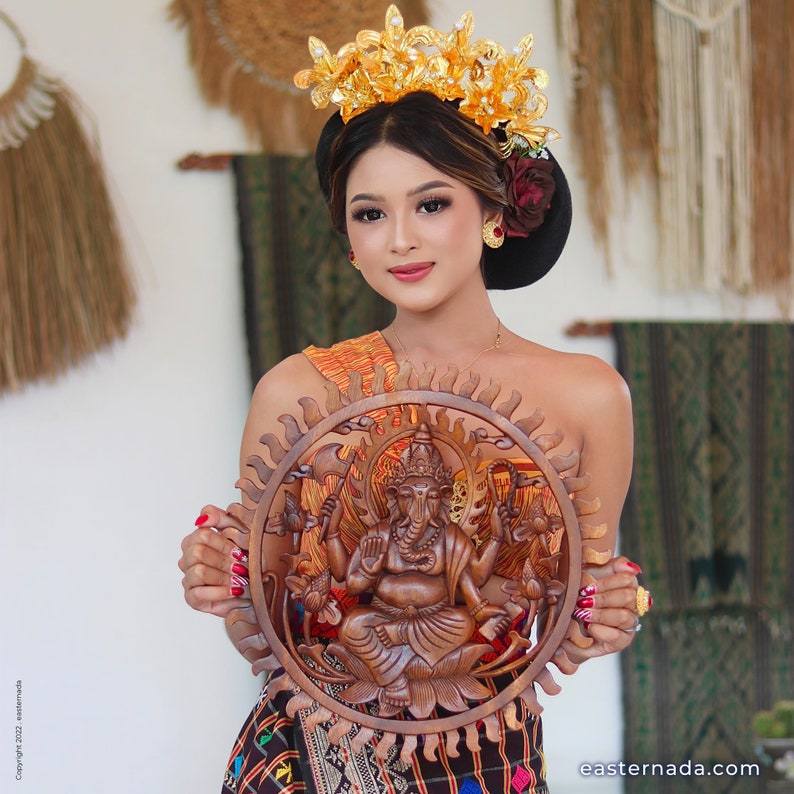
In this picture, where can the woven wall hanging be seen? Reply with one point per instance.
(246, 52)
(704, 106)
(65, 290)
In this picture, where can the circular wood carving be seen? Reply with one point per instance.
(417, 651)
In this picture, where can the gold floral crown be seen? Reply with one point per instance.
(494, 87)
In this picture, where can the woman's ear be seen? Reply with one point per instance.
(495, 216)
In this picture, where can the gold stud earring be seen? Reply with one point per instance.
(492, 234)
(353, 261)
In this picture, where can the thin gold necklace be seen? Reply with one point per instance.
(497, 344)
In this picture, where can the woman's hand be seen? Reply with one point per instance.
(215, 563)
(607, 609)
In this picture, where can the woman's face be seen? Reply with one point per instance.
(416, 232)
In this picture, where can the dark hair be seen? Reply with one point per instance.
(420, 124)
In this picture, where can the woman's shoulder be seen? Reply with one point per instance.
(578, 379)
(306, 374)
(281, 387)
(588, 370)
(575, 365)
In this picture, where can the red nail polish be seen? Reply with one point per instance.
(586, 602)
(634, 567)
(239, 581)
(588, 590)
(201, 519)
(583, 615)
(241, 569)
(239, 554)
(236, 591)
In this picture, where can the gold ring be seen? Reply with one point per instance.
(644, 601)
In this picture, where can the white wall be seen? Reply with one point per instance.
(103, 471)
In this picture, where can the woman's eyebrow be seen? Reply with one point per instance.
(434, 185)
(367, 197)
(425, 186)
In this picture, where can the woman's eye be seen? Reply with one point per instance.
(367, 214)
(433, 205)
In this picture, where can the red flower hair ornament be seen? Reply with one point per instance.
(530, 188)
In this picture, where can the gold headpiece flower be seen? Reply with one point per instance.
(494, 87)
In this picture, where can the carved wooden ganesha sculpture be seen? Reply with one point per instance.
(418, 602)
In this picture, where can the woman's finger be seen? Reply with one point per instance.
(214, 600)
(206, 547)
(618, 590)
(623, 619)
(616, 565)
(225, 525)
(212, 516)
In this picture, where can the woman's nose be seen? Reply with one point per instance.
(404, 235)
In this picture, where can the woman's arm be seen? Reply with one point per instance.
(606, 607)
(215, 554)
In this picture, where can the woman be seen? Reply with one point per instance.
(435, 217)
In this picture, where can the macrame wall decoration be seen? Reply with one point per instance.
(65, 291)
(246, 53)
(705, 125)
(710, 110)
(705, 189)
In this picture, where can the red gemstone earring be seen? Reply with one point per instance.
(353, 261)
(492, 234)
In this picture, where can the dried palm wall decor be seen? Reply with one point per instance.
(65, 290)
(702, 97)
(772, 149)
(246, 52)
(607, 45)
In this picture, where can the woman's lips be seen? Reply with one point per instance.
(413, 272)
